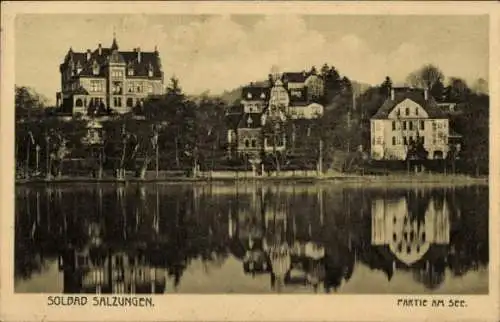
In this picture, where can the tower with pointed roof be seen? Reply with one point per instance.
(108, 80)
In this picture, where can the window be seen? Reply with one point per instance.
(150, 73)
(411, 125)
(404, 125)
(422, 125)
(422, 139)
(96, 86)
(117, 101)
(130, 72)
(254, 143)
(405, 140)
(150, 88)
(117, 73)
(393, 140)
(407, 111)
(247, 143)
(416, 111)
(393, 125)
(117, 88)
(79, 102)
(139, 87)
(130, 102)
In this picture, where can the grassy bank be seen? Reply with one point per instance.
(337, 178)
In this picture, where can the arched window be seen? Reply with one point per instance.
(79, 102)
(130, 102)
(247, 143)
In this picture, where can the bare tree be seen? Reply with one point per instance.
(426, 76)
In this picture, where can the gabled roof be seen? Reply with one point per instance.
(250, 121)
(233, 119)
(116, 57)
(418, 97)
(295, 77)
(148, 60)
(255, 93)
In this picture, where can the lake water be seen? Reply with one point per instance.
(251, 238)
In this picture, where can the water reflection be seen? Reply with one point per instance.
(250, 238)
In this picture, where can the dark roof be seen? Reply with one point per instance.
(418, 97)
(295, 77)
(233, 119)
(254, 123)
(256, 92)
(80, 91)
(149, 60)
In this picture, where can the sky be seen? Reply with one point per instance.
(221, 52)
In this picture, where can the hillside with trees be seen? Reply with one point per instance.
(178, 132)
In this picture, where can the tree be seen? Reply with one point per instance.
(273, 132)
(325, 69)
(209, 128)
(425, 77)
(416, 151)
(481, 86)
(28, 103)
(386, 86)
(438, 91)
(458, 90)
(473, 123)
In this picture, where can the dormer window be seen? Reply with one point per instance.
(130, 72)
(95, 68)
(78, 67)
(263, 96)
(150, 70)
(249, 121)
(249, 95)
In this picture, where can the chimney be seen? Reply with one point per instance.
(88, 54)
(139, 54)
(392, 94)
(100, 49)
(426, 94)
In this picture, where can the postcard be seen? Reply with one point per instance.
(250, 161)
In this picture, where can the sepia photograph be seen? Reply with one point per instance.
(267, 153)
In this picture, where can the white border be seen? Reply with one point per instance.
(15, 307)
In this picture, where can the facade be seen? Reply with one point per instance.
(107, 80)
(258, 125)
(408, 117)
(408, 237)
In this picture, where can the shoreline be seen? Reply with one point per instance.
(340, 179)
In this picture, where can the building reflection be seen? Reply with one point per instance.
(413, 233)
(138, 238)
(100, 270)
(274, 243)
